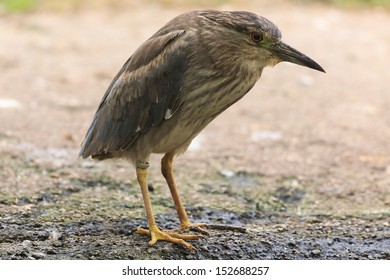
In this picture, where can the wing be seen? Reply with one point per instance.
(144, 93)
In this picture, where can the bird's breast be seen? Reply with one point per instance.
(214, 95)
(201, 103)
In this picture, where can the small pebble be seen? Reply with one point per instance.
(38, 255)
(55, 235)
(51, 251)
(316, 252)
(227, 173)
(57, 243)
(26, 243)
(80, 257)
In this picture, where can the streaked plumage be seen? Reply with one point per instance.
(178, 81)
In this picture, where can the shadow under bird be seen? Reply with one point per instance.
(190, 71)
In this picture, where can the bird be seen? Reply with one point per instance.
(173, 85)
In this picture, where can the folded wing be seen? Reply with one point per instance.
(144, 93)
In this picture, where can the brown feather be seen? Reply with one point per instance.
(139, 96)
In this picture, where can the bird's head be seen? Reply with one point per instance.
(257, 38)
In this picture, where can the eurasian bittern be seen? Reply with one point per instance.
(174, 85)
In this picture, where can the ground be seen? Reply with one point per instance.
(302, 162)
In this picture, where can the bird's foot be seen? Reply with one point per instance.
(157, 234)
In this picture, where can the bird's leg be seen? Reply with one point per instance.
(167, 171)
(154, 232)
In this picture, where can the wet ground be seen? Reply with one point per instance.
(65, 215)
(267, 236)
(302, 162)
(40, 227)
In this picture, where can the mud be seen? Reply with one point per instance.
(268, 236)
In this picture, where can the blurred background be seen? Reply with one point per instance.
(57, 5)
(301, 142)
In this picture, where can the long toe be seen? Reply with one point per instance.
(198, 227)
(158, 235)
(202, 228)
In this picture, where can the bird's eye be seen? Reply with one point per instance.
(256, 37)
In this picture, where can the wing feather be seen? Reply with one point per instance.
(139, 97)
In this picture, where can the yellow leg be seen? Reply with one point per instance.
(167, 171)
(154, 232)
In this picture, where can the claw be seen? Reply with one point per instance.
(158, 235)
(199, 228)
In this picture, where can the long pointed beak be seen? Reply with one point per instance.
(286, 53)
